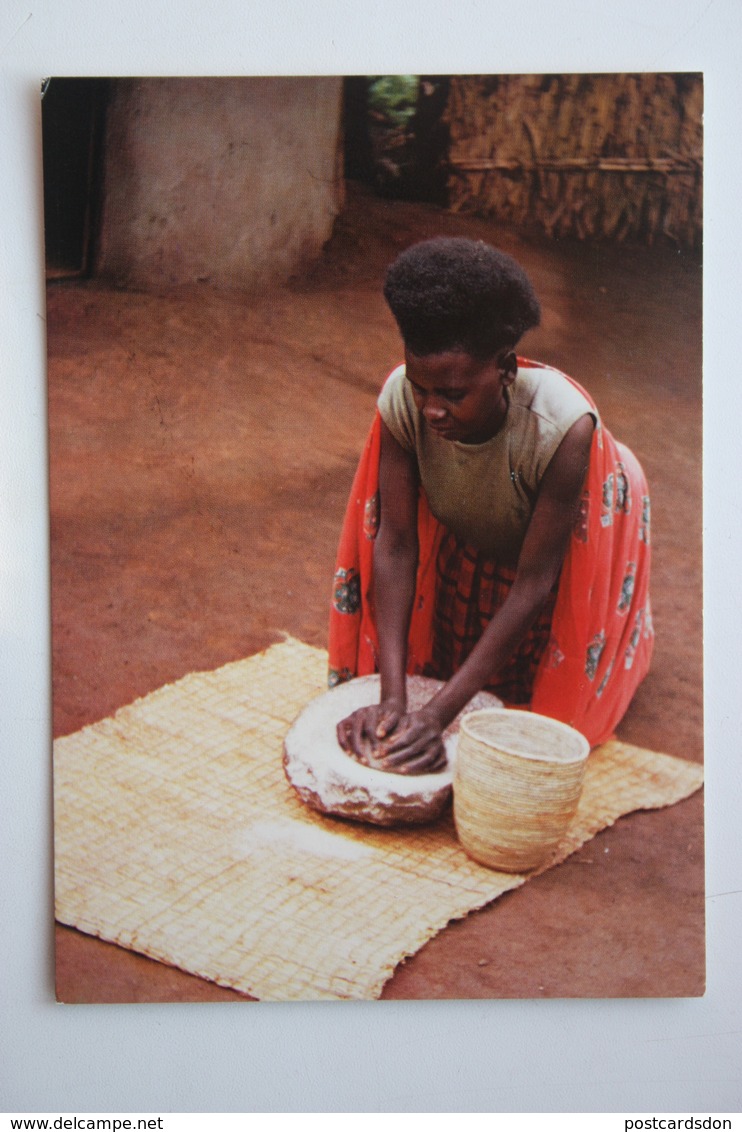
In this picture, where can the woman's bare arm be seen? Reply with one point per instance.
(395, 561)
(395, 570)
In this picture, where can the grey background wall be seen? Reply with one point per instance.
(232, 182)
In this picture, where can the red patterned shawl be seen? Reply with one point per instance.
(601, 632)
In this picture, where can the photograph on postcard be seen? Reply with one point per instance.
(375, 489)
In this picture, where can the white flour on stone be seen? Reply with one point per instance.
(329, 780)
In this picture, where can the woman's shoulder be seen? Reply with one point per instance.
(393, 390)
(397, 408)
(395, 380)
(549, 394)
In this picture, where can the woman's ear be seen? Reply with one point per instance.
(508, 367)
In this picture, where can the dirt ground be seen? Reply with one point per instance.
(202, 446)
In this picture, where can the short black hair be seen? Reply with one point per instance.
(451, 293)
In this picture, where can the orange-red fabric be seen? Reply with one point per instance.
(601, 633)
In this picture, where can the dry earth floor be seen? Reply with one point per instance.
(202, 447)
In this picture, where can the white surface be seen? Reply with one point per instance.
(615, 1056)
(330, 780)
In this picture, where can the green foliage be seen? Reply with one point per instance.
(393, 96)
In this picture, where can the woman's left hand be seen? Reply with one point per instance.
(415, 746)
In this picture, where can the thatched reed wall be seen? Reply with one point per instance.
(591, 156)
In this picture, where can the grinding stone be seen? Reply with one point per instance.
(331, 781)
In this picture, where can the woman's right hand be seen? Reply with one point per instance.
(368, 726)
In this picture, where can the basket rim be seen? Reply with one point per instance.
(468, 720)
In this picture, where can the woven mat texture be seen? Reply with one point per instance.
(177, 836)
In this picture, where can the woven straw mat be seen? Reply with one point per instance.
(177, 836)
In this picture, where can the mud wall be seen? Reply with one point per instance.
(231, 182)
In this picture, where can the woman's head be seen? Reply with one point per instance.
(451, 294)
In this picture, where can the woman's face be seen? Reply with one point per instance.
(462, 398)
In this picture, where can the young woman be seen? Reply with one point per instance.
(497, 536)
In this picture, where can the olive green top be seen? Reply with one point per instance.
(485, 493)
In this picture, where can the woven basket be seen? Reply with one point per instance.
(516, 786)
